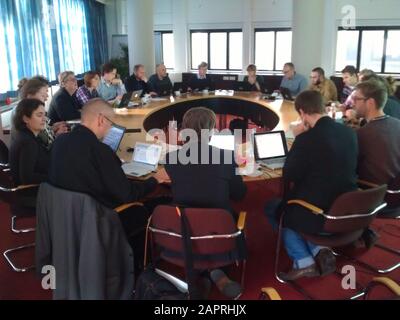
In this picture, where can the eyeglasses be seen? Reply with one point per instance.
(360, 98)
(108, 119)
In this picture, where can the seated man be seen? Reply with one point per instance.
(379, 158)
(81, 162)
(204, 176)
(350, 79)
(160, 82)
(321, 165)
(137, 81)
(323, 85)
(293, 81)
(201, 81)
(110, 86)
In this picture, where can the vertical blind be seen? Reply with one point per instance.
(45, 37)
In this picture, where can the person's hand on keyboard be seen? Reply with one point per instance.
(162, 176)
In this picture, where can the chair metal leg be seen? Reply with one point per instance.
(361, 290)
(11, 263)
(369, 266)
(15, 230)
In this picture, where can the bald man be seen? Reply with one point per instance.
(160, 82)
(81, 162)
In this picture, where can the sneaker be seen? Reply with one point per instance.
(226, 286)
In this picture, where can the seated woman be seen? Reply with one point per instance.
(37, 88)
(208, 181)
(64, 105)
(253, 81)
(29, 157)
(88, 90)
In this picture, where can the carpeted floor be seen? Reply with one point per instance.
(261, 243)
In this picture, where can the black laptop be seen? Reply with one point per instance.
(286, 94)
(126, 98)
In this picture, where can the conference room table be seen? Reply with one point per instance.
(156, 115)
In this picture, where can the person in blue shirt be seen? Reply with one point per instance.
(293, 81)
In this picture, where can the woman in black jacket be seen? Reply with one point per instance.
(29, 157)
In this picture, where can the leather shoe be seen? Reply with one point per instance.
(294, 274)
(326, 262)
(230, 289)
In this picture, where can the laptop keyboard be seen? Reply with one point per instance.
(274, 163)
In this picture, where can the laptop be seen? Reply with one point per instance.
(114, 137)
(126, 98)
(223, 141)
(144, 160)
(270, 149)
(286, 94)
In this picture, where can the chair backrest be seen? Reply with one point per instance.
(6, 184)
(86, 244)
(213, 231)
(362, 203)
(3, 154)
(393, 193)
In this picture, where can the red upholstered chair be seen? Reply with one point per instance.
(214, 238)
(349, 215)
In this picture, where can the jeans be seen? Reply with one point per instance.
(300, 251)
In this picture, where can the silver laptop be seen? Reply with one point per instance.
(270, 149)
(144, 160)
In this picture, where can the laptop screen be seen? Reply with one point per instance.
(224, 142)
(270, 145)
(114, 137)
(147, 153)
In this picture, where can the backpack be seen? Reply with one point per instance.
(152, 286)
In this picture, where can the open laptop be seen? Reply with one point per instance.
(114, 137)
(270, 149)
(126, 98)
(223, 141)
(286, 94)
(144, 161)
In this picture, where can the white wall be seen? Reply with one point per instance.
(248, 14)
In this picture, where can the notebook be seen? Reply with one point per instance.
(270, 149)
(114, 137)
(144, 160)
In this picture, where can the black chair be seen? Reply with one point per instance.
(3, 155)
(14, 196)
(346, 220)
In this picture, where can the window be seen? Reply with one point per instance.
(164, 48)
(273, 48)
(375, 48)
(222, 49)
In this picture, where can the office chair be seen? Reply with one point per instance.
(3, 155)
(350, 214)
(215, 238)
(86, 244)
(13, 195)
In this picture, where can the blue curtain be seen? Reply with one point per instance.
(44, 37)
(97, 33)
(72, 35)
(25, 42)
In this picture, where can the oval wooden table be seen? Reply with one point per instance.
(272, 115)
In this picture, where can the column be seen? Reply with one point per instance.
(140, 17)
(248, 33)
(181, 36)
(314, 35)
